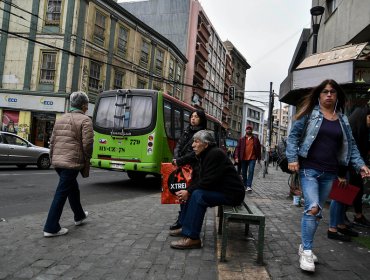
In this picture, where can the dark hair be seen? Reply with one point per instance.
(310, 100)
(358, 122)
(202, 118)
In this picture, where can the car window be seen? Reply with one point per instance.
(13, 140)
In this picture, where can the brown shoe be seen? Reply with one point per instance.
(186, 243)
(176, 232)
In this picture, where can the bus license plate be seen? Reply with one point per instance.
(116, 165)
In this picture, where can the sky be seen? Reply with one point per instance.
(265, 32)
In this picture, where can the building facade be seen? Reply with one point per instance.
(209, 69)
(254, 116)
(340, 51)
(236, 98)
(50, 48)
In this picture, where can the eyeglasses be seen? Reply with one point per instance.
(332, 91)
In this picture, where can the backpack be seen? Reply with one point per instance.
(282, 160)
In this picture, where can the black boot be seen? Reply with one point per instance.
(176, 225)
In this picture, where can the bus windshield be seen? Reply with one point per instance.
(135, 114)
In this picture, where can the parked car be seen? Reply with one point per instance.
(15, 150)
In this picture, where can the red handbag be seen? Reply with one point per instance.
(174, 179)
(344, 194)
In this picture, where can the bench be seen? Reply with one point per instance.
(244, 213)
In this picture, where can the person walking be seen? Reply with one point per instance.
(320, 126)
(183, 153)
(70, 152)
(360, 125)
(247, 152)
(216, 183)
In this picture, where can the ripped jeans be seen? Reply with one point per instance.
(316, 186)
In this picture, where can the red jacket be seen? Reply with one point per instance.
(239, 150)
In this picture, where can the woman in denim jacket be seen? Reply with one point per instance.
(319, 142)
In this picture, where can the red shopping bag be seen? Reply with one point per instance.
(345, 194)
(174, 179)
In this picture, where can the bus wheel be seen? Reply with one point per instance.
(135, 175)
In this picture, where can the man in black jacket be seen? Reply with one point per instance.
(217, 183)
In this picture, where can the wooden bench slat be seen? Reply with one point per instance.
(246, 213)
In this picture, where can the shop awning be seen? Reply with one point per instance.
(340, 64)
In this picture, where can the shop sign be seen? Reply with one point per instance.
(32, 102)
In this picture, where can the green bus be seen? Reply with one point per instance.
(135, 130)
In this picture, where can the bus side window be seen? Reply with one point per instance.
(167, 119)
(177, 123)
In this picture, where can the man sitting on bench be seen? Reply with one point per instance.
(218, 183)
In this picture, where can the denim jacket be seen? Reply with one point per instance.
(298, 145)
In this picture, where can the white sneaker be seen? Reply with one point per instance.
(78, 223)
(249, 189)
(62, 231)
(306, 261)
(314, 257)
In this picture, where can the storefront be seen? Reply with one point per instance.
(30, 116)
(348, 65)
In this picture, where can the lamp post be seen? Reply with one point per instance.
(316, 16)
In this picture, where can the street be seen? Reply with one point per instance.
(29, 191)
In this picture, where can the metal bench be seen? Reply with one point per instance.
(244, 213)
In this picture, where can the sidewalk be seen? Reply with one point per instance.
(282, 236)
(129, 239)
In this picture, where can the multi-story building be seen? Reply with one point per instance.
(280, 124)
(240, 66)
(50, 48)
(209, 67)
(254, 116)
(336, 47)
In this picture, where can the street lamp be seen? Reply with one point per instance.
(316, 16)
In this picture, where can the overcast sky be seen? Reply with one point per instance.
(265, 32)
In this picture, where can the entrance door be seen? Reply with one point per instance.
(42, 128)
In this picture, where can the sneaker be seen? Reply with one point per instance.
(249, 189)
(363, 222)
(348, 231)
(62, 231)
(306, 261)
(78, 223)
(300, 252)
(338, 236)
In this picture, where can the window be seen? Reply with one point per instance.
(159, 62)
(136, 115)
(94, 75)
(53, 12)
(144, 56)
(178, 73)
(332, 5)
(141, 84)
(171, 69)
(47, 74)
(99, 29)
(177, 123)
(122, 41)
(118, 80)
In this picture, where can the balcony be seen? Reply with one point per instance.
(203, 32)
(202, 51)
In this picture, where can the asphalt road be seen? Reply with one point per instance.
(31, 190)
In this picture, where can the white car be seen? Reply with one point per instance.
(15, 150)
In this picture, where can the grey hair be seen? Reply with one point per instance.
(205, 136)
(78, 98)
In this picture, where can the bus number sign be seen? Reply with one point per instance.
(134, 142)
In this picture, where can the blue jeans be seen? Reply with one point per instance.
(337, 213)
(192, 214)
(67, 188)
(316, 186)
(248, 168)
